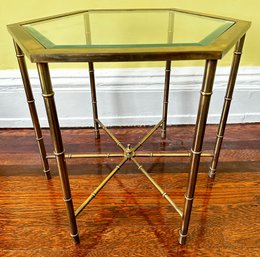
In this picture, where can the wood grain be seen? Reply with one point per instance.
(129, 217)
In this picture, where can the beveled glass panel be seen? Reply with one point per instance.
(128, 28)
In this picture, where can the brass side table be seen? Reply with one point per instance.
(125, 36)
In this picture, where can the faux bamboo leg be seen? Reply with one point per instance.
(166, 97)
(94, 98)
(33, 111)
(196, 150)
(226, 106)
(48, 96)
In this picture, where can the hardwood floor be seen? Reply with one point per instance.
(129, 217)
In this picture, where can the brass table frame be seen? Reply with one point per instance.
(25, 43)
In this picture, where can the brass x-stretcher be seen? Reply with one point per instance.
(129, 153)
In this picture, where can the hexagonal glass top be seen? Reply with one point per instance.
(127, 28)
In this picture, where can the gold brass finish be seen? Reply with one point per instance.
(47, 91)
(226, 106)
(33, 111)
(147, 136)
(166, 97)
(101, 155)
(163, 193)
(34, 48)
(94, 98)
(104, 182)
(111, 135)
(216, 50)
(170, 154)
(129, 154)
(196, 150)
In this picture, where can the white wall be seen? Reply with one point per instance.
(129, 96)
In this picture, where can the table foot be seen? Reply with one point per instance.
(97, 134)
(76, 238)
(163, 134)
(47, 174)
(182, 239)
(212, 173)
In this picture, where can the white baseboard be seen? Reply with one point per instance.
(129, 96)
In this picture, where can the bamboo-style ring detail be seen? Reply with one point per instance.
(46, 171)
(19, 55)
(48, 95)
(212, 170)
(182, 234)
(195, 152)
(238, 53)
(67, 200)
(140, 167)
(58, 154)
(76, 235)
(206, 93)
(39, 138)
(219, 136)
(228, 98)
(30, 101)
(188, 198)
(164, 194)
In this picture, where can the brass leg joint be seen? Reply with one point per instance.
(74, 235)
(206, 93)
(164, 194)
(194, 152)
(188, 198)
(129, 152)
(39, 138)
(59, 154)
(48, 95)
(228, 98)
(47, 171)
(139, 166)
(67, 200)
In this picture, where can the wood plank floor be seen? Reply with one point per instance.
(129, 217)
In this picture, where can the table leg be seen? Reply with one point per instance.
(59, 152)
(33, 110)
(166, 97)
(226, 106)
(206, 92)
(94, 98)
